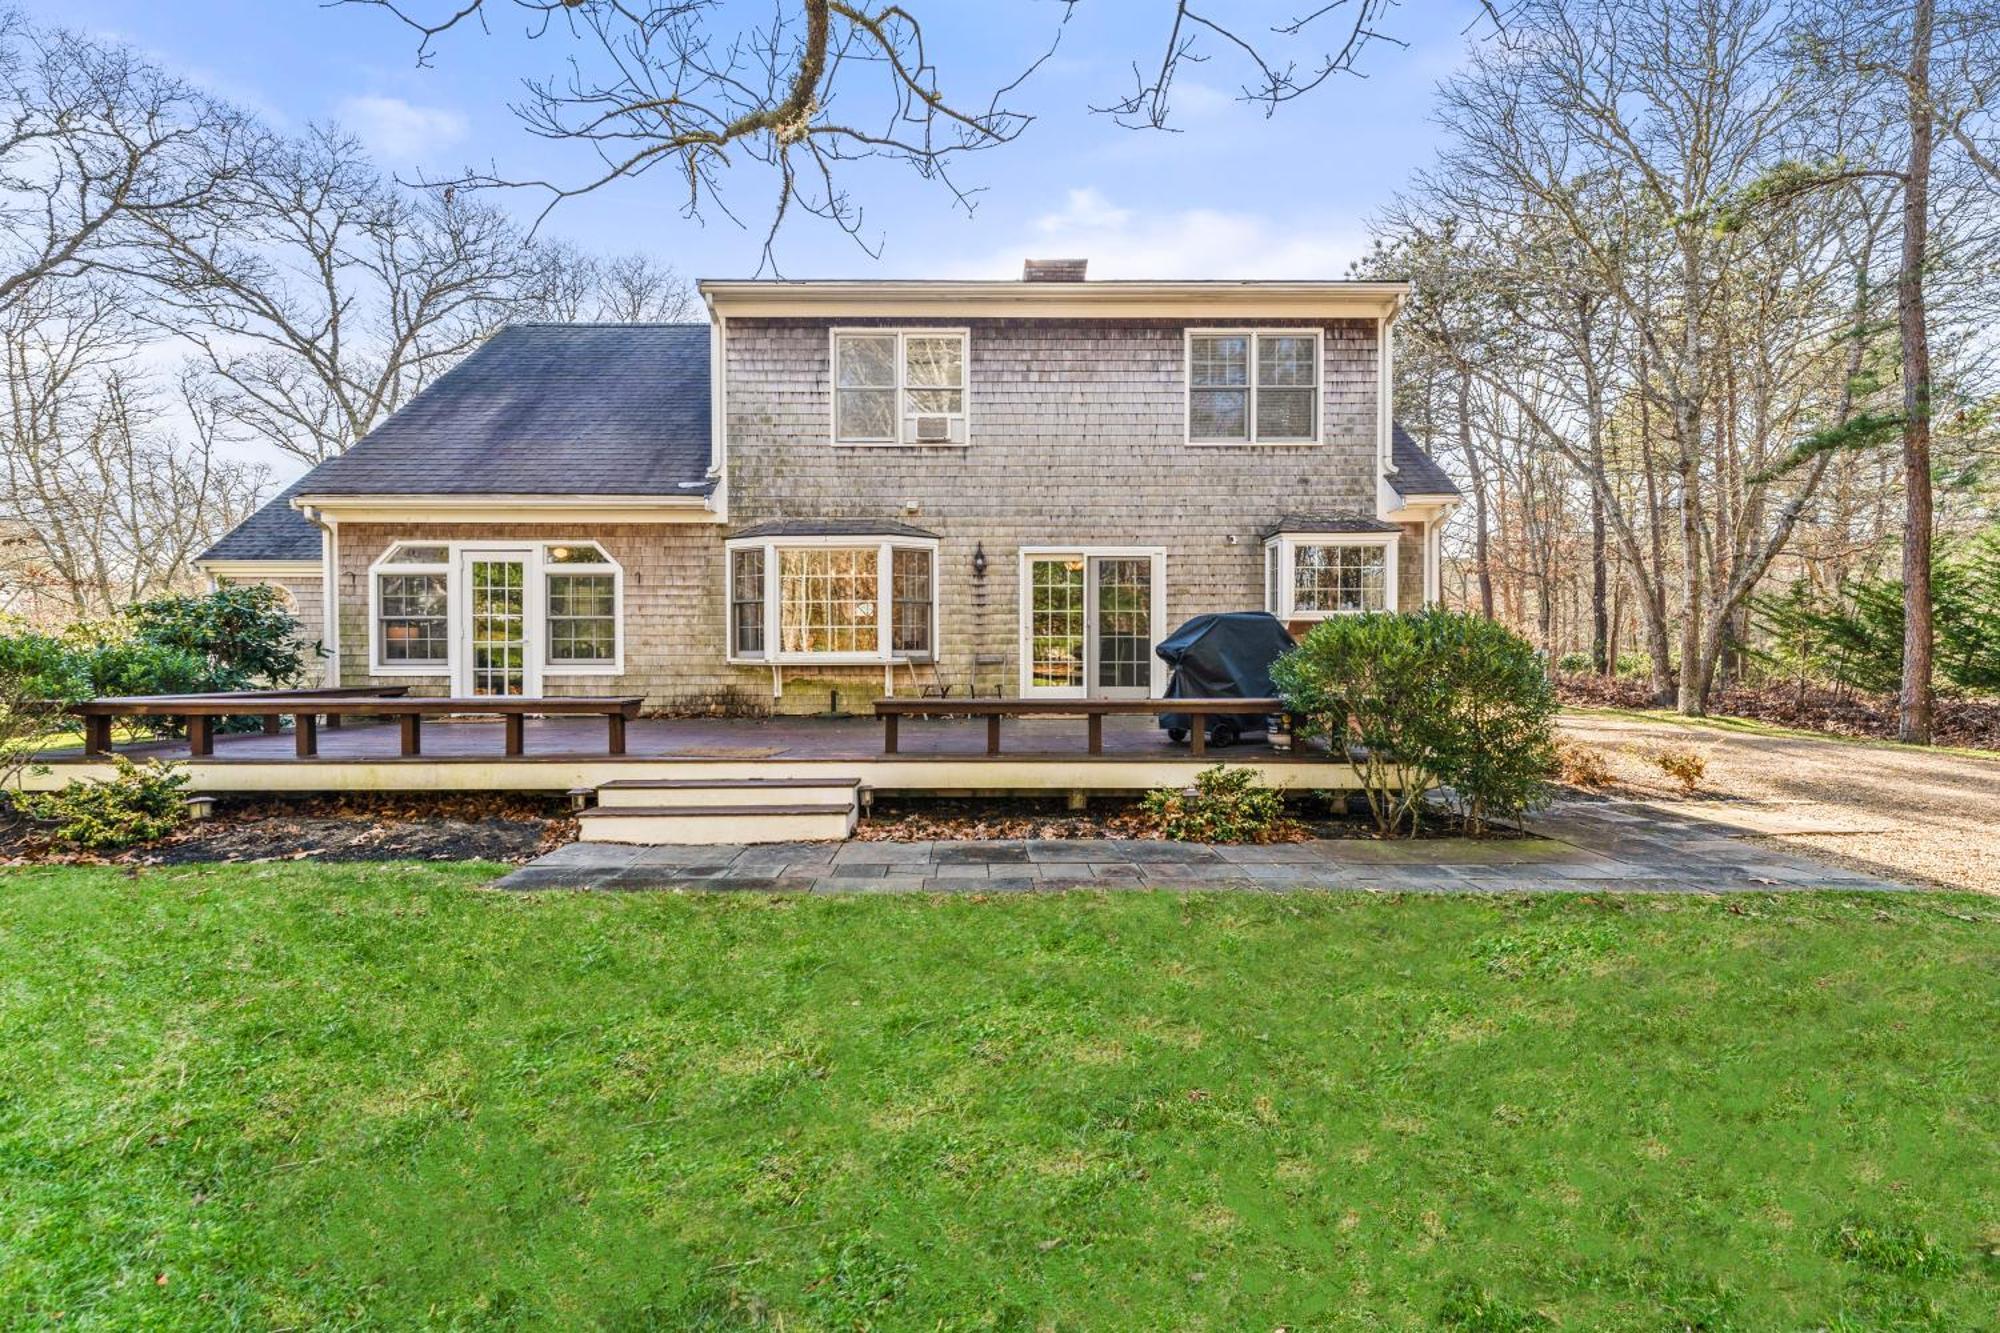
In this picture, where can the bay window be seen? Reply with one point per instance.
(1309, 576)
(899, 386)
(832, 599)
(1253, 386)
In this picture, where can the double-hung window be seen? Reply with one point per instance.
(1253, 386)
(1310, 576)
(899, 386)
(412, 608)
(851, 599)
(580, 587)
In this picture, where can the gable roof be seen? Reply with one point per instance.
(275, 532)
(547, 409)
(1417, 473)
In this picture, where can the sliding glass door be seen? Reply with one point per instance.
(1089, 623)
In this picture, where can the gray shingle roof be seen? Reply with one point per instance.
(1417, 473)
(275, 532)
(832, 527)
(1327, 523)
(547, 409)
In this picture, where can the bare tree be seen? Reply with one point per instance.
(99, 151)
(569, 285)
(106, 506)
(326, 297)
(672, 83)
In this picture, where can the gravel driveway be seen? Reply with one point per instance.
(1904, 813)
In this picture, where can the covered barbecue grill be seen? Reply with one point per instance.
(1226, 655)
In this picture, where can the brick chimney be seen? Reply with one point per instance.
(1053, 270)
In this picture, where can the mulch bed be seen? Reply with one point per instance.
(1972, 724)
(969, 819)
(479, 827)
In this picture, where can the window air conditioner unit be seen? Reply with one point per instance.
(934, 429)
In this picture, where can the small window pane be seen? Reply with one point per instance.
(936, 400)
(866, 414)
(1219, 360)
(577, 553)
(412, 625)
(1219, 414)
(910, 605)
(408, 553)
(1285, 361)
(867, 361)
(935, 362)
(746, 602)
(1284, 414)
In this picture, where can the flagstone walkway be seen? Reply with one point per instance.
(1593, 847)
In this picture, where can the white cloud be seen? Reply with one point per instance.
(401, 133)
(1186, 243)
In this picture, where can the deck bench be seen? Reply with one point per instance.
(1093, 711)
(306, 709)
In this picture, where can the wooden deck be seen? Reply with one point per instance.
(939, 755)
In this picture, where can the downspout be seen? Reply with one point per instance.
(329, 559)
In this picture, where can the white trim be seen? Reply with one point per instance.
(902, 336)
(1251, 441)
(514, 508)
(463, 556)
(253, 571)
(883, 544)
(457, 663)
(1068, 300)
(1287, 544)
(1024, 593)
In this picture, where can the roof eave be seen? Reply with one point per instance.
(748, 297)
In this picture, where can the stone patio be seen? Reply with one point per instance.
(1580, 847)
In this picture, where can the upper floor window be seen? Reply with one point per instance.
(899, 386)
(1253, 386)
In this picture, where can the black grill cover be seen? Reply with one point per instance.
(1227, 655)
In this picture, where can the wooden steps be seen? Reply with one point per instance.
(695, 811)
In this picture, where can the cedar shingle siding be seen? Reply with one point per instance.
(1077, 436)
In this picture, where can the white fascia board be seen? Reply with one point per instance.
(1079, 300)
(513, 508)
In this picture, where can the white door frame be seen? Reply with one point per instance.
(532, 648)
(1028, 554)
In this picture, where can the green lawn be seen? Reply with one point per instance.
(379, 1097)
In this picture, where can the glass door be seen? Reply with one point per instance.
(1056, 623)
(1120, 613)
(498, 659)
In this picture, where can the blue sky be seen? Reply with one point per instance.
(1235, 195)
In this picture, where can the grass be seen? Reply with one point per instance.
(378, 1097)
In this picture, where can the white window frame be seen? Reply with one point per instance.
(1252, 441)
(1024, 646)
(548, 568)
(883, 546)
(538, 567)
(1285, 546)
(902, 336)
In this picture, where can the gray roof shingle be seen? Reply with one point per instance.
(275, 532)
(547, 409)
(1417, 473)
(1327, 523)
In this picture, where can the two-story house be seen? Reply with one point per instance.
(865, 488)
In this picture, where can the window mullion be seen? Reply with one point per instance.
(884, 576)
(772, 648)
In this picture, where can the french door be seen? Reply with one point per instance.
(499, 656)
(1090, 622)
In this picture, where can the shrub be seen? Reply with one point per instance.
(1574, 664)
(1427, 699)
(1581, 764)
(1683, 763)
(243, 635)
(135, 805)
(1224, 805)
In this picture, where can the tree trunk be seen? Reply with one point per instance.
(1914, 720)
(1482, 559)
